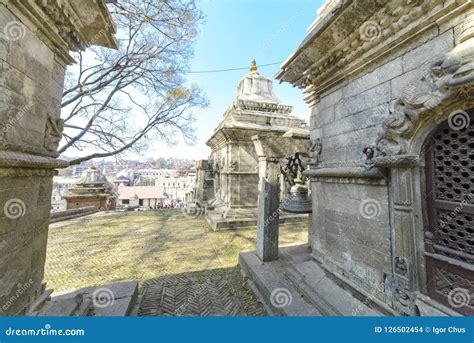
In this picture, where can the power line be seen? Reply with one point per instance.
(232, 69)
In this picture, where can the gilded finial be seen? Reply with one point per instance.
(253, 67)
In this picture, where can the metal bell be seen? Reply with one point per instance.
(297, 200)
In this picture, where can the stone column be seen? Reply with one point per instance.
(270, 151)
(35, 40)
(403, 243)
(268, 209)
(200, 181)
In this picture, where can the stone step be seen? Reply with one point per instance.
(313, 291)
(279, 296)
(67, 307)
(116, 299)
(39, 303)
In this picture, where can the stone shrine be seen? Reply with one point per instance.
(35, 40)
(92, 190)
(391, 90)
(233, 161)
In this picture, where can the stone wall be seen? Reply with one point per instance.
(351, 219)
(98, 202)
(33, 59)
(30, 90)
(378, 86)
(73, 213)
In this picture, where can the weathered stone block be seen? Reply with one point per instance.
(380, 75)
(370, 98)
(428, 51)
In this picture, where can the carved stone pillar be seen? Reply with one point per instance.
(403, 243)
(270, 151)
(268, 209)
(35, 40)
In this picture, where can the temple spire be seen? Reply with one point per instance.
(253, 67)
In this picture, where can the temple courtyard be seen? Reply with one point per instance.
(183, 267)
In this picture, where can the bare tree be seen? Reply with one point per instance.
(116, 100)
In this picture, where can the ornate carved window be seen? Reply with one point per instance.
(449, 239)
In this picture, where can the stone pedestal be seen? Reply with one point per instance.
(33, 58)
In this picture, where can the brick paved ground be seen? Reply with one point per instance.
(183, 268)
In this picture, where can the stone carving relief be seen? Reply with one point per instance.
(53, 133)
(66, 22)
(314, 152)
(262, 106)
(345, 41)
(404, 301)
(401, 265)
(233, 166)
(450, 79)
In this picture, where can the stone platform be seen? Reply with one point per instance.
(242, 218)
(295, 285)
(116, 299)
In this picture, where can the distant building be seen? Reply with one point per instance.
(61, 186)
(121, 181)
(92, 190)
(148, 196)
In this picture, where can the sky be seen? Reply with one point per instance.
(234, 33)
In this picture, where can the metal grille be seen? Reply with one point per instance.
(453, 179)
(456, 231)
(454, 163)
(449, 239)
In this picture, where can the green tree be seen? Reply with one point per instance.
(161, 163)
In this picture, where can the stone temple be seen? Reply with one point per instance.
(389, 159)
(233, 161)
(391, 90)
(93, 189)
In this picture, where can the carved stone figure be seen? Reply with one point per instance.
(450, 78)
(315, 152)
(53, 133)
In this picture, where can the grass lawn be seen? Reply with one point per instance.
(117, 246)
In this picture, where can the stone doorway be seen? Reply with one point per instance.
(449, 238)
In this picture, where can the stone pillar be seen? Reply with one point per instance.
(271, 150)
(35, 40)
(204, 185)
(403, 243)
(268, 209)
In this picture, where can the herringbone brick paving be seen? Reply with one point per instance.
(182, 267)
